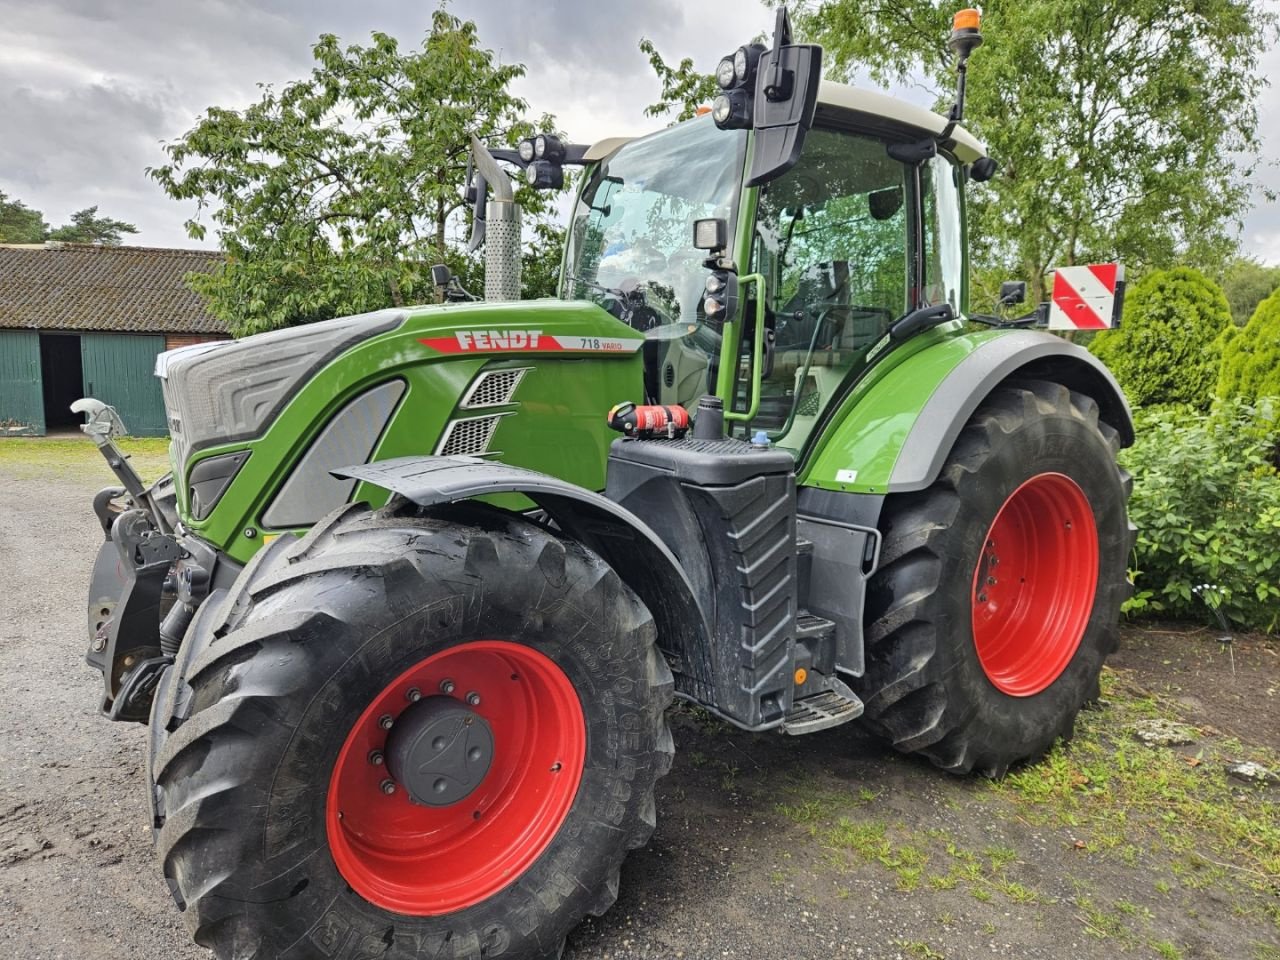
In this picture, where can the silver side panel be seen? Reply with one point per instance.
(311, 490)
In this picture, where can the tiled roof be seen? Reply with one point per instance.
(80, 286)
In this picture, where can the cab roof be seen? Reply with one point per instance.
(871, 103)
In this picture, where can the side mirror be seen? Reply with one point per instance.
(773, 92)
(1013, 292)
(785, 101)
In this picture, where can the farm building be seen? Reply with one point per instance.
(79, 320)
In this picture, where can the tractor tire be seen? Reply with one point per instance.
(409, 735)
(999, 587)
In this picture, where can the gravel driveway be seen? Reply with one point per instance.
(825, 846)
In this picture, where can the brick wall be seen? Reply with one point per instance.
(174, 340)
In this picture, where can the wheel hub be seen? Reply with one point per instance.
(439, 750)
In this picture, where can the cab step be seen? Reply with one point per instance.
(831, 707)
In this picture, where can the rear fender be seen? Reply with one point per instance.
(625, 542)
(895, 436)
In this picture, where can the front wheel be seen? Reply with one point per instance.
(409, 736)
(1000, 585)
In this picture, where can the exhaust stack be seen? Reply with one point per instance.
(502, 229)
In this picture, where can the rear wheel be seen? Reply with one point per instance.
(1000, 585)
(410, 736)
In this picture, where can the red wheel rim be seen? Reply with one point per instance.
(426, 861)
(1034, 584)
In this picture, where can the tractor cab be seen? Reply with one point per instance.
(859, 226)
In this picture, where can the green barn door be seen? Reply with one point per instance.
(119, 369)
(21, 389)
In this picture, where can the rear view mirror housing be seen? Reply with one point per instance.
(773, 92)
(785, 100)
(1013, 292)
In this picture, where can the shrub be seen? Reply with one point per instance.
(1251, 355)
(1206, 501)
(1167, 349)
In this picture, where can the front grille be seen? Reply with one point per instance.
(493, 388)
(468, 437)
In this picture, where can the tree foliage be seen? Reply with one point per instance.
(87, 227)
(1125, 129)
(336, 193)
(1167, 350)
(21, 224)
(684, 89)
(1251, 355)
(1246, 282)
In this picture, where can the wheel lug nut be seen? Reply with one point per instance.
(473, 698)
(388, 787)
(375, 757)
(385, 721)
(413, 695)
(440, 786)
(982, 598)
(446, 686)
(991, 580)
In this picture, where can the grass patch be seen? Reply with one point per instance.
(31, 458)
(1123, 798)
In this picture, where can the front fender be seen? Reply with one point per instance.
(625, 542)
(894, 436)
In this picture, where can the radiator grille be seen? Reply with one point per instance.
(468, 437)
(493, 388)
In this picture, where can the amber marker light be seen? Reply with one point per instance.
(801, 676)
(968, 19)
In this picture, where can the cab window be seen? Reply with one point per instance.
(835, 242)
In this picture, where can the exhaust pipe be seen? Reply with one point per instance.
(502, 229)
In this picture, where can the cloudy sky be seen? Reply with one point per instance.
(90, 88)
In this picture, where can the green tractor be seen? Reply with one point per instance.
(406, 618)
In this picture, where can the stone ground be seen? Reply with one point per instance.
(767, 847)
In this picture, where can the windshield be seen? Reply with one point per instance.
(631, 236)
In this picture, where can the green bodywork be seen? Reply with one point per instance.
(558, 426)
(556, 420)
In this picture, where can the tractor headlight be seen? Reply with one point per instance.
(740, 65)
(526, 150)
(544, 175)
(726, 73)
(721, 110)
(732, 109)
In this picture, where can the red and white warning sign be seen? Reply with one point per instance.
(1087, 298)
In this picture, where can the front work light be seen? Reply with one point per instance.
(526, 150)
(732, 109)
(720, 297)
(710, 234)
(726, 73)
(546, 146)
(544, 175)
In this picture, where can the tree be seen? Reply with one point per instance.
(19, 223)
(1246, 282)
(1125, 129)
(1167, 350)
(336, 193)
(1251, 355)
(87, 227)
(683, 88)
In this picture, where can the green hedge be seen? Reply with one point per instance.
(1251, 355)
(1206, 500)
(1167, 349)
